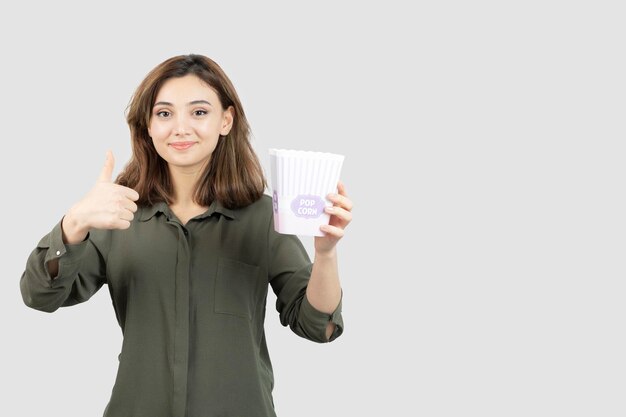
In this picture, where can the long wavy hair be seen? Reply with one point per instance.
(233, 176)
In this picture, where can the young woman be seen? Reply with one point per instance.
(184, 240)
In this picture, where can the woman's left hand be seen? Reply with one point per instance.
(340, 217)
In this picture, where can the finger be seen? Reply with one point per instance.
(122, 224)
(129, 205)
(107, 169)
(340, 200)
(333, 231)
(129, 193)
(117, 223)
(127, 215)
(339, 212)
(341, 188)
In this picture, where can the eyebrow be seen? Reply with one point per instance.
(191, 103)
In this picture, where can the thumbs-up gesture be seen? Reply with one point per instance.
(106, 206)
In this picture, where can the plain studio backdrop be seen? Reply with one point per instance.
(484, 270)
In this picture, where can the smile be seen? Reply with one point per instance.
(182, 145)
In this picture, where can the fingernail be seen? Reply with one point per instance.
(330, 209)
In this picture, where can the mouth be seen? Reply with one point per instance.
(181, 145)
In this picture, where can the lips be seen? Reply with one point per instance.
(182, 145)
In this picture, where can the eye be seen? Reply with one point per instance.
(163, 113)
(200, 112)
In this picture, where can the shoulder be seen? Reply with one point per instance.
(260, 209)
(252, 219)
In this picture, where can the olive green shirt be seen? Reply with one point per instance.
(190, 300)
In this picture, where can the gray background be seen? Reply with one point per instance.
(484, 142)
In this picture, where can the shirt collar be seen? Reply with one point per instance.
(161, 207)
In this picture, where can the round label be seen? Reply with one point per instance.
(307, 206)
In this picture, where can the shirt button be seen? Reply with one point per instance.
(185, 232)
(58, 252)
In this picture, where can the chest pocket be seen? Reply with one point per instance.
(237, 288)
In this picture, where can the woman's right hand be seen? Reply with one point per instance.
(106, 206)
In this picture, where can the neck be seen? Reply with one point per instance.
(184, 183)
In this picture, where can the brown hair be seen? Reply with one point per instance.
(233, 177)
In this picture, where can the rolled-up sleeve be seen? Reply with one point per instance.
(290, 270)
(321, 320)
(82, 272)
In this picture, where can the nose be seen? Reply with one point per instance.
(182, 127)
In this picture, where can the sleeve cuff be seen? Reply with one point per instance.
(56, 248)
(320, 320)
(68, 255)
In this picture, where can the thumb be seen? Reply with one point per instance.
(107, 169)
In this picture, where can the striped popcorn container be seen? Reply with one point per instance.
(300, 181)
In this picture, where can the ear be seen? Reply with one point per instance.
(148, 127)
(227, 120)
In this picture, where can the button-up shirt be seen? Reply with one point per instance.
(190, 300)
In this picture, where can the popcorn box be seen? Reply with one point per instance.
(300, 181)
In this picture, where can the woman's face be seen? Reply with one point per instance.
(186, 123)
